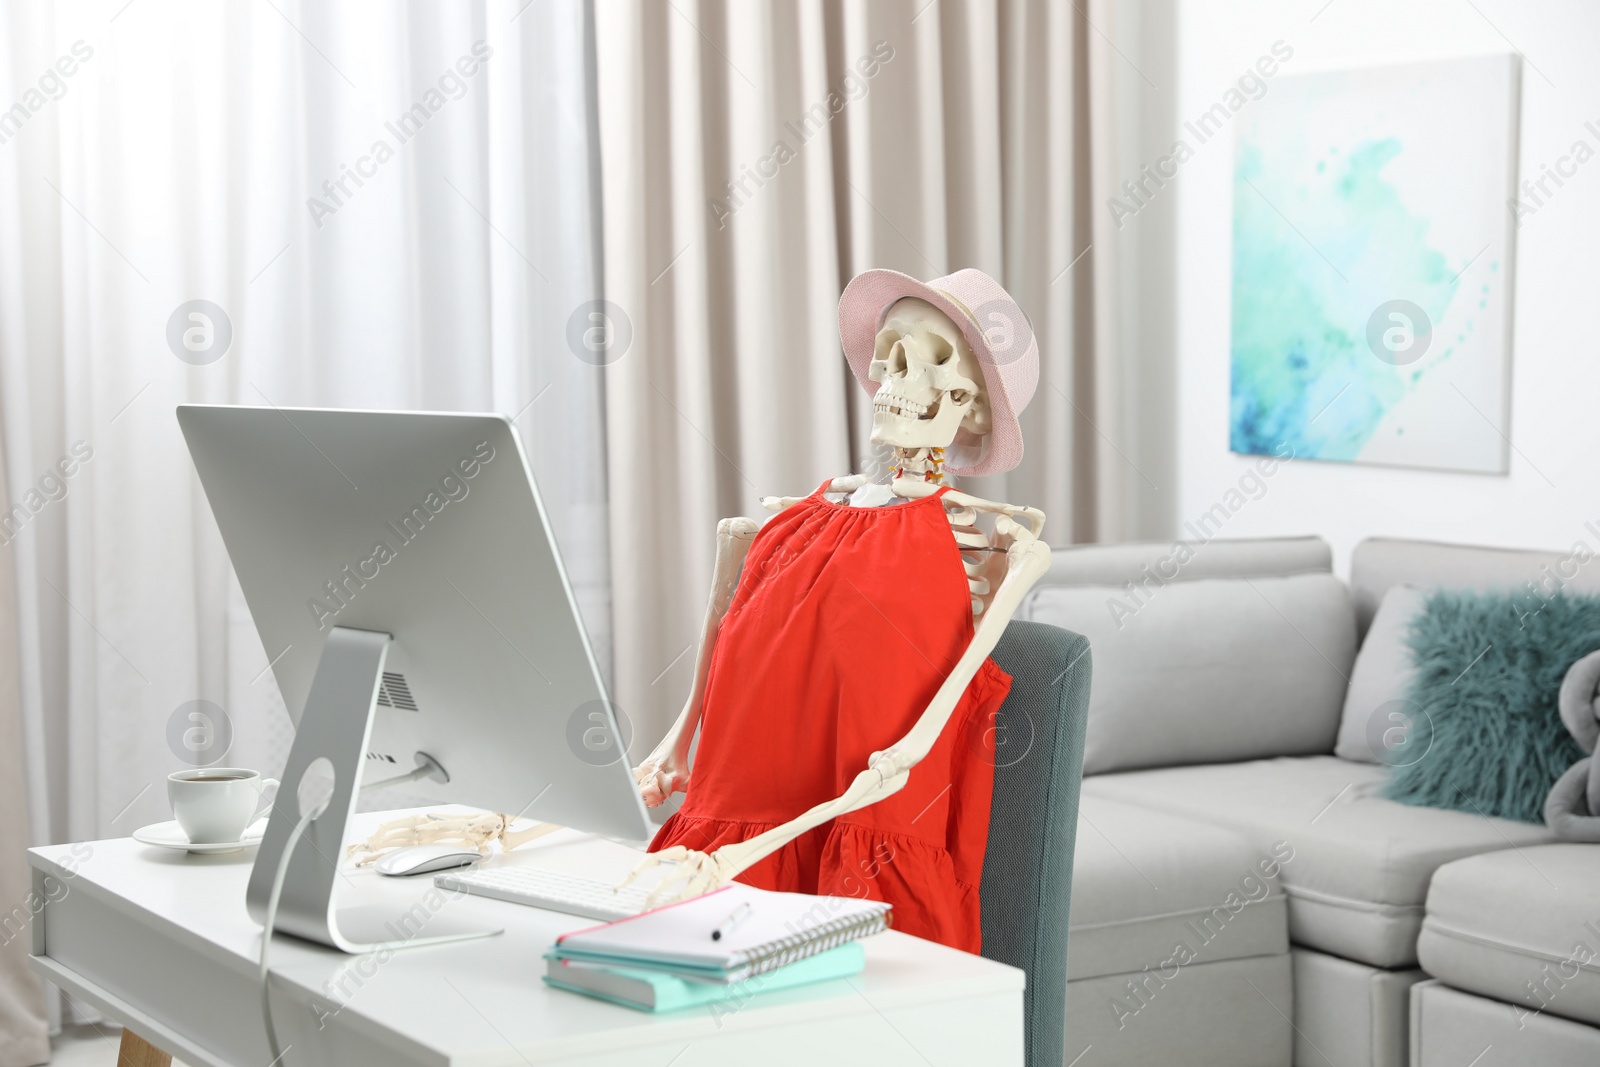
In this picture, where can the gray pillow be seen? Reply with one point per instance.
(1380, 680)
(1210, 670)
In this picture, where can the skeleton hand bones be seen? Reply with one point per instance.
(474, 830)
(696, 873)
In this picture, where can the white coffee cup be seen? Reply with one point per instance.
(213, 805)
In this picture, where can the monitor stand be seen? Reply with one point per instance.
(337, 724)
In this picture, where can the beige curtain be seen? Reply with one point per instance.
(757, 155)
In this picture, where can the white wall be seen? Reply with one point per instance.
(1553, 486)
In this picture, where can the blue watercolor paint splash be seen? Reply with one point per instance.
(1303, 374)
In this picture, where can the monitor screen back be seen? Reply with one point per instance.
(427, 527)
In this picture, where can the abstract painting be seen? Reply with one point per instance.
(1372, 244)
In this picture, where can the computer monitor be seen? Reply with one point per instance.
(403, 576)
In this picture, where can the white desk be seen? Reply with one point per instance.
(160, 942)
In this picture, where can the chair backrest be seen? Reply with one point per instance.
(1033, 821)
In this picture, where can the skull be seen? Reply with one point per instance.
(931, 383)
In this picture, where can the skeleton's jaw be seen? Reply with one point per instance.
(916, 422)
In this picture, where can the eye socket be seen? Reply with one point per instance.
(897, 357)
(940, 349)
(889, 350)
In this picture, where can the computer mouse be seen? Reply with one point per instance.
(425, 859)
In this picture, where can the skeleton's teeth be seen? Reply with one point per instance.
(899, 405)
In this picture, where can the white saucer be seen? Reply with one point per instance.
(170, 835)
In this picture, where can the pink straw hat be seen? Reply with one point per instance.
(997, 331)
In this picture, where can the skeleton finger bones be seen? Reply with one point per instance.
(693, 874)
(475, 831)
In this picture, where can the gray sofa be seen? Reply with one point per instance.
(1242, 895)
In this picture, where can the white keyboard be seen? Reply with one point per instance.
(569, 894)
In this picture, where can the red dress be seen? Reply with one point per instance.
(845, 623)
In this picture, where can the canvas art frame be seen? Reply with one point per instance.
(1373, 238)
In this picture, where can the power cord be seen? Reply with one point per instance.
(427, 767)
(272, 918)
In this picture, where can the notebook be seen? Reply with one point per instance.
(777, 929)
(657, 991)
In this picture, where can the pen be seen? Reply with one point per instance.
(739, 915)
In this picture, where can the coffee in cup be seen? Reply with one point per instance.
(213, 805)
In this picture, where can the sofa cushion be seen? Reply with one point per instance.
(1209, 670)
(1520, 925)
(1377, 712)
(1450, 1028)
(1359, 873)
(1489, 671)
(1231, 1013)
(1170, 561)
(1145, 882)
(1380, 562)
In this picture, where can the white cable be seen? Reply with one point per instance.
(429, 769)
(272, 918)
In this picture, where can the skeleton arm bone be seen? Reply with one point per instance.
(666, 770)
(889, 770)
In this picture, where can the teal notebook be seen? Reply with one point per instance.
(656, 991)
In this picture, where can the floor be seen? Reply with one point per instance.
(89, 1046)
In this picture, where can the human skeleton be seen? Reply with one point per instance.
(931, 386)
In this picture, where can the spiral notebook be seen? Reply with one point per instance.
(778, 929)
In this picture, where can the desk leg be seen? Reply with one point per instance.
(137, 1052)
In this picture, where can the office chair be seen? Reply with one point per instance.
(1033, 822)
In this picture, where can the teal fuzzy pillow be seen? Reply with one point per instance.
(1488, 672)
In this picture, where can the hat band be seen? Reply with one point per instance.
(957, 301)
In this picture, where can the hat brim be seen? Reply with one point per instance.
(862, 307)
